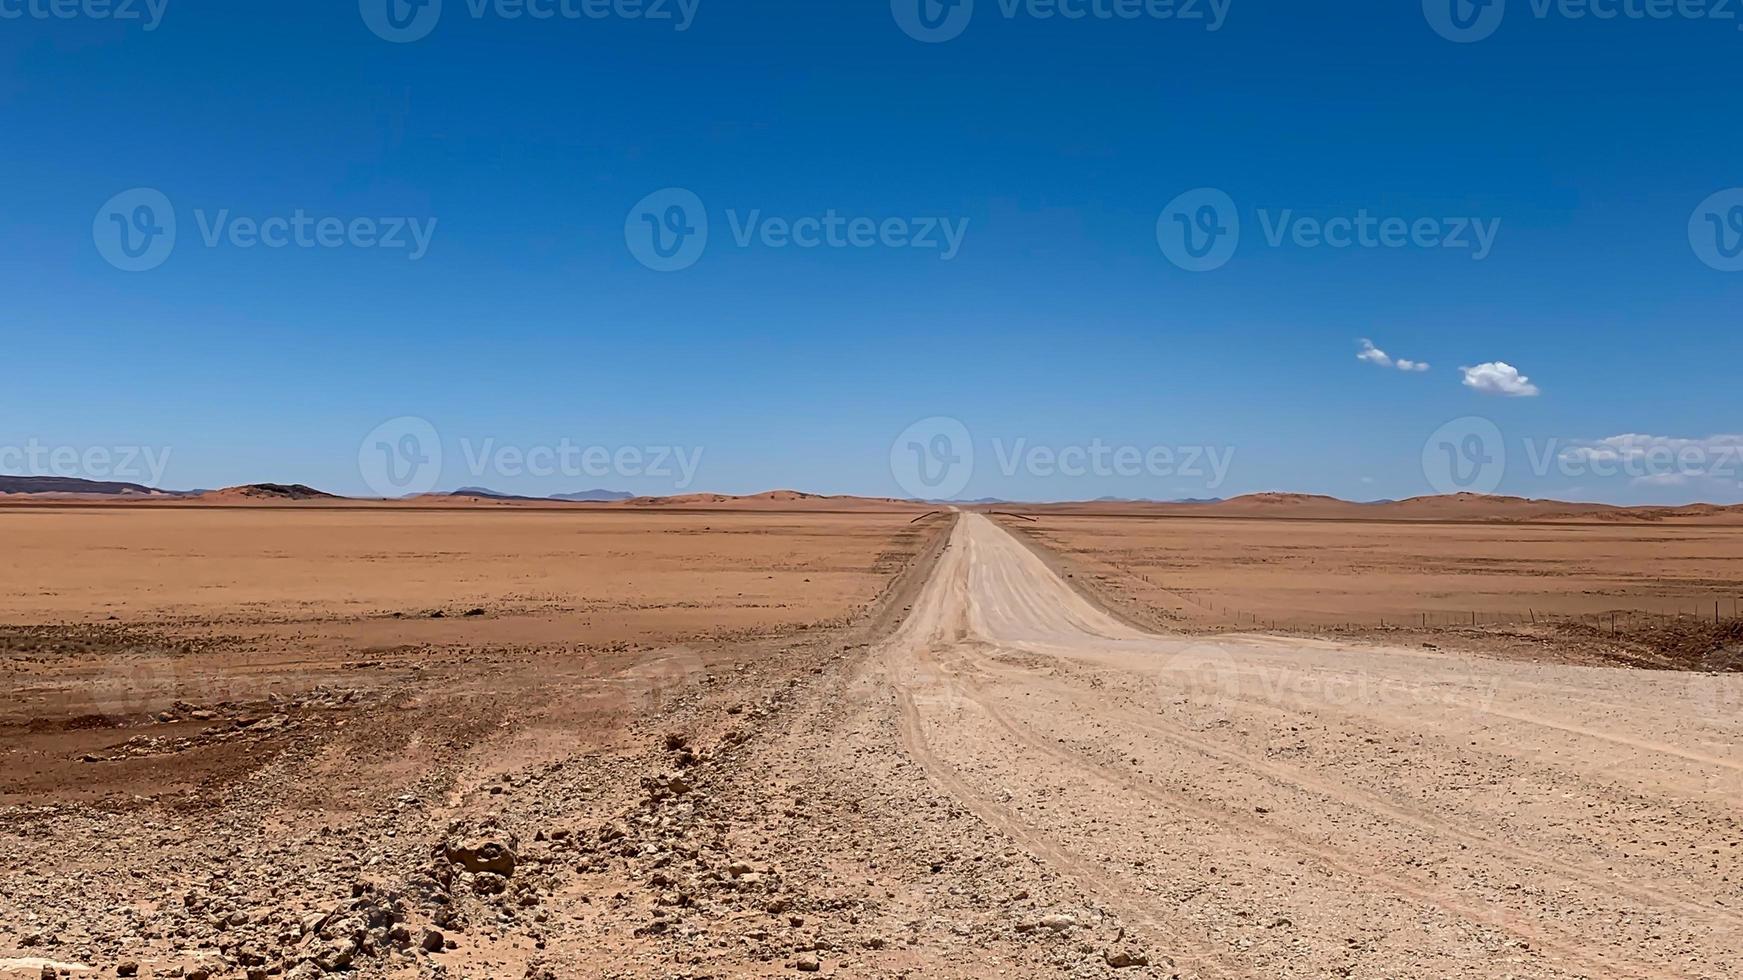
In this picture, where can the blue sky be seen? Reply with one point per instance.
(1060, 322)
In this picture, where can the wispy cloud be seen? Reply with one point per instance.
(1500, 378)
(1660, 461)
(1376, 356)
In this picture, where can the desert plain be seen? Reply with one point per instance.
(804, 736)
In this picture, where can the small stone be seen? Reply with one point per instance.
(808, 963)
(1058, 923)
(1119, 959)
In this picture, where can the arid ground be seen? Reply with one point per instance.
(553, 743)
(1585, 592)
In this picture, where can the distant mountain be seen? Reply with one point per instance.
(66, 484)
(475, 493)
(580, 496)
(269, 491)
(594, 496)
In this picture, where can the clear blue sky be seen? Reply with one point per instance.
(1061, 321)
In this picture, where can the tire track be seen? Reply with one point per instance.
(1602, 965)
(1343, 793)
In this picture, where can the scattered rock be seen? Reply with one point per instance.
(1120, 959)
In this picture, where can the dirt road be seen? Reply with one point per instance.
(979, 773)
(1258, 807)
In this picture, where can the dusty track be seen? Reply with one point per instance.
(1263, 808)
(983, 773)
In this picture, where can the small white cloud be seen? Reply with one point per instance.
(1376, 356)
(1500, 378)
(1658, 461)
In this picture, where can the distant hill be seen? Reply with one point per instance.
(267, 492)
(1448, 507)
(72, 485)
(485, 493)
(594, 496)
(774, 500)
(475, 493)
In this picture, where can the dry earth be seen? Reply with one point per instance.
(1639, 593)
(964, 768)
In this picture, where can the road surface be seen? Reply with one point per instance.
(1265, 807)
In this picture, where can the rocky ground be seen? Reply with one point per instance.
(981, 774)
(745, 809)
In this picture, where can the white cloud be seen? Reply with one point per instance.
(1500, 378)
(1376, 356)
(1658, 461)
